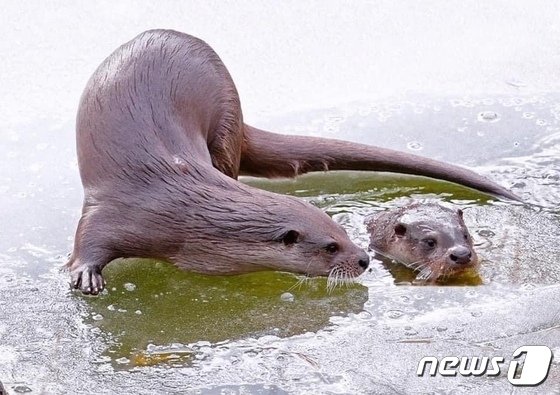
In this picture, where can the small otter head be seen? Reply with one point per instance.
(426, 237)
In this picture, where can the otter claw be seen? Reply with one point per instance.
(88, 280)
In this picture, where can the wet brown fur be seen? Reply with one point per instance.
(161, 142)
(401, 234)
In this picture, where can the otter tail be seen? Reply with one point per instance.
(267, 154)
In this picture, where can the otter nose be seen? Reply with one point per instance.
(460, 255)
(364, 261)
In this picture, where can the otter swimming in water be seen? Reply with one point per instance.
(426, 237)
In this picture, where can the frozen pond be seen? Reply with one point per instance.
(484, 92)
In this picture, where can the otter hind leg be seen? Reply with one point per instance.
(226, 141)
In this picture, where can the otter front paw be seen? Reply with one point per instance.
(88, 279)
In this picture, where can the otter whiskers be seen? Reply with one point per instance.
(301, 280)
(339, 276)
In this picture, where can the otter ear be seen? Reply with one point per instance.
(290, 237)
(460, 212)
(400, 229)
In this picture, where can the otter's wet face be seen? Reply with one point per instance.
(429, 238)
(319, 247)
(271, 232)
(331, 254)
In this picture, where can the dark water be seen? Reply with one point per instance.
(158, 329)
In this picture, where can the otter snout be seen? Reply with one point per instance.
(363, 260)
(459, 255)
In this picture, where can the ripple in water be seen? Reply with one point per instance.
(394, 314)
(486, 233)
(488, 116)
(414, 145)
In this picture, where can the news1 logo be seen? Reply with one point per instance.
(532, 372)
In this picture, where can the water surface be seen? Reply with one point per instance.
(472, 83)
(157, 328)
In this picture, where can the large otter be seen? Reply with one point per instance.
(426, 237)
(161, 142)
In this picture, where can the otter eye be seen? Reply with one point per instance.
(430, 242)
(332, 248)
(290, 237)
(466, 236)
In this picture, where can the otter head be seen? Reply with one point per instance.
(311, 243)
(267, 231)
(429, 238)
